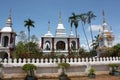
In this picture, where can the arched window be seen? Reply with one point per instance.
(5, 41)
(47, 45)
(60, 45)
(73, 45)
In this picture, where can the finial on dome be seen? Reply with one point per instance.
(9, 20)
(60, 18)
(103, 14)
(48, 25)
(111, 28)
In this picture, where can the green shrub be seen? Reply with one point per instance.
(113, 65)
(91, 70)
(63, 65)
(29, 68)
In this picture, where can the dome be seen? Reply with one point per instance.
(7, 29)
(49, 34)
(60, 31)
(60, 26)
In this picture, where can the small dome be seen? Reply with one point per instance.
(60, 26)
(7, 29)
(49, 34)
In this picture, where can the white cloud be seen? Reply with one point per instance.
(95, 27)
(85, 46)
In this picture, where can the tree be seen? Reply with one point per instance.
(95, 43)
(116, 49)
(20, 49)
(74, 20)
(34, 38)
(90, 16)
(22, 36)
(29, 23)
(34, 48)
(83, 19)
(29, 68)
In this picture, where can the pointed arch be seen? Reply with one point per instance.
(60, 45)
(5, 40)
(47, 45)
(73, 45)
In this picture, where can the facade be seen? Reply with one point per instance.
(60, 43)
(106, 37)
(7, 40)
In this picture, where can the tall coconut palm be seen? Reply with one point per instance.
(74, 20)
(90, 16)
(29, 23)
(95, 43)
(83, 19)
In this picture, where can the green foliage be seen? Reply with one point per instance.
(28, 23)
(22, 52)
(111, 52)
(33, 47)
(91, 70)
(28, 67)
(20, 49)
(116, 50)
(63, 65)
(113, 65)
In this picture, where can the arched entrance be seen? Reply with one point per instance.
(3, 55)
(60, 45)
(73, 45)
(47, 45)
(5, 41)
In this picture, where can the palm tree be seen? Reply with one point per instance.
(29, 23)
(95, 43)
(83, 19)
(90, 16)
(74, 20)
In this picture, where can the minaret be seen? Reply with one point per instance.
(48, 26)
(60, 18)
(111, 29)
(60, 31)
(49, 34)
(105, 28)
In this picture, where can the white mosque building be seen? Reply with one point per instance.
(60, 43)
(7, 40)
(106, 37)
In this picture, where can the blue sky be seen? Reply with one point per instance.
(42, 11)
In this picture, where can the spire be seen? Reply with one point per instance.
(48, 33)
(9, 20)
(105, 27)
(111, 29)
(99, 30)
(103, 14)
(60, 18)
(48, 25)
